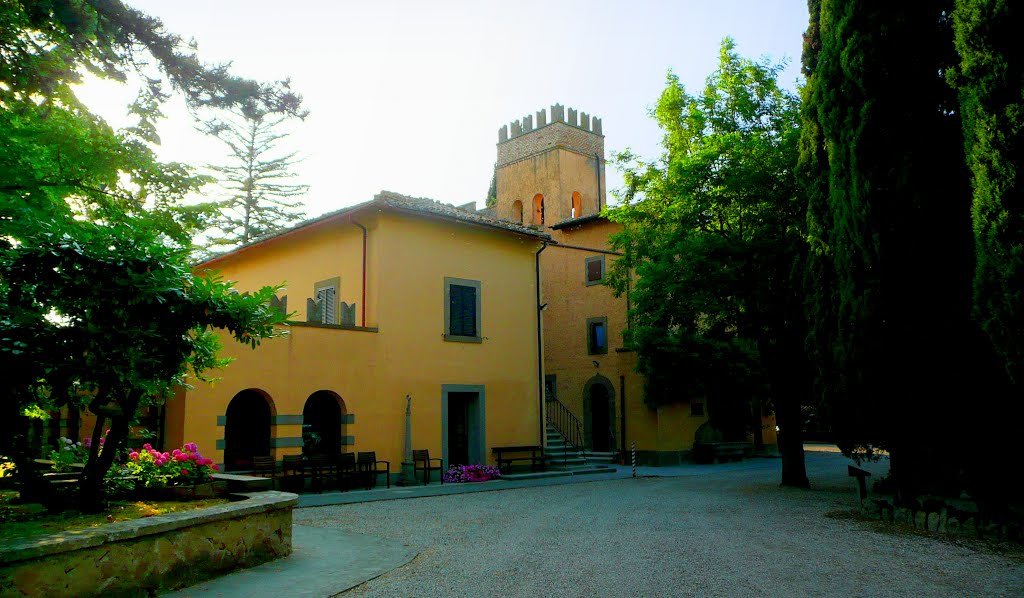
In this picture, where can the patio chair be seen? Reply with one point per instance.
(346, 469)
(367, 463)
(264, 465)
(423, 457)
(293, 469)
(321, 465)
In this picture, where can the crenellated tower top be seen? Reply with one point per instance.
(569, 129)
(551, 172)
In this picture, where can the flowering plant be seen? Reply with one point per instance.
(471, 473)
(180, 467)
(66, 453)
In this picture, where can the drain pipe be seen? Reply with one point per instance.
(540, 350)
(364, 272)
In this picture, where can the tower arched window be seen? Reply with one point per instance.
(577, 204)
(517, 211)
(538, 209)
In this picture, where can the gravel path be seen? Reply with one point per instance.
(721, 534)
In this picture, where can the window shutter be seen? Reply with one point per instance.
(594, 268)
(325, 297)
(462, 310)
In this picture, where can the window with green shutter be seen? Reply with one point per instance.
(462, 310)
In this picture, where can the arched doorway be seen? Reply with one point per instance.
(599, 414)
(322, 427)
(517, 211)
(247, 429)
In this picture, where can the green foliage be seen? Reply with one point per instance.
(67, 453)
(258, 196)
(990, 82)
(711, 232)
(492, 191)
(98, 304)
(891, 253)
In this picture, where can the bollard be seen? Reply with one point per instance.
(632, 447)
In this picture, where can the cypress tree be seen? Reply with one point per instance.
(990, 82)
(891, 252)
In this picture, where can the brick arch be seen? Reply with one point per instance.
(517, 211)
(538, 209)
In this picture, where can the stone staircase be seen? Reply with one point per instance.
(564, 460)
(563, 456)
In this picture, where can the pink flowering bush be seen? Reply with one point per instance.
(180, 467)
(471, 473)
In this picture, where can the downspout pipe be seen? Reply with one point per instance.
(540, 351)
(363, 228)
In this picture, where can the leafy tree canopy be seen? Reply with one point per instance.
(97, 300)
(712, 231)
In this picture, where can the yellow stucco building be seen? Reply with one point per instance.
(497, 323)
(394, 297)
(550, 175)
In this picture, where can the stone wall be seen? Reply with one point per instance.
(945, 516)
(141, 556)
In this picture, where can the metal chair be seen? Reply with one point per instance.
(423, 457)
(367, 463)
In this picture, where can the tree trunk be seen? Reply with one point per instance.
(90, 490)
(791, 442)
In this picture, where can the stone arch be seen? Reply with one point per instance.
(538, 209)
(517, 211)
(599, 414)
(247, 431)
(324, 415)
(577, 204)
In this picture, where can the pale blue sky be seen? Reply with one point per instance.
(409, 95)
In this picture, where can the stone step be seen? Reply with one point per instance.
(584, 469)
(553, 473)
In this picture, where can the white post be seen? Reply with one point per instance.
(632, 447)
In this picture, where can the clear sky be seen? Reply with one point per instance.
(409, 95)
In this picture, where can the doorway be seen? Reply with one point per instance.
(599, 414)
(462, 424)
(246, 429)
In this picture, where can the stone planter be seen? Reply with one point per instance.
(144, 556)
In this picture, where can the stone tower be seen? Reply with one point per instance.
(551, 172)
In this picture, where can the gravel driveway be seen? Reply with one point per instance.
(729, 533)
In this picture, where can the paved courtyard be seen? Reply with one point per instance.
(725, 532)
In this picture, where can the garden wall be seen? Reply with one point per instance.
(137, 557)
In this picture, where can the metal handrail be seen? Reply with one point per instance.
(567, 424)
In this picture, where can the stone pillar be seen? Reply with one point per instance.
(408, 474)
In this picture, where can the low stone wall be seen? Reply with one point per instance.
(138, 557)
(943, 515)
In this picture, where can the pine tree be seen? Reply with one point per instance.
(259, 195)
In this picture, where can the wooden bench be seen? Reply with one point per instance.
(708, 452)
(862, 484)
(505, 456)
